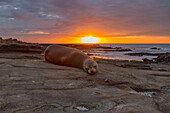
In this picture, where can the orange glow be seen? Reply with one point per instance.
(103, 40)
(90, 39)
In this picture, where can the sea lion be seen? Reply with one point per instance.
(66, 56)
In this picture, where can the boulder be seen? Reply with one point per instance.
(163, 58)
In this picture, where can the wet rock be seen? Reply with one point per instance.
(165, 89)
(160, 69)
(163, 58)
(1, 40)
(117, 49)
(81, 108)
(155, 48)
(145, 60)
(150, 94)
(90, 54)
(147, 54)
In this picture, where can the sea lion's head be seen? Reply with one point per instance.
(90, 66)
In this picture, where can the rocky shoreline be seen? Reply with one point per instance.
(29, 84)
(161, 57)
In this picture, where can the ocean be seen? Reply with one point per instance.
(136, 48)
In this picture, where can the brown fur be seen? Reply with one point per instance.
(66, 56)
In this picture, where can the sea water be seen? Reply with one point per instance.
(136, 48)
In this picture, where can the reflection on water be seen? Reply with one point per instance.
(136, 48)
(137, 58)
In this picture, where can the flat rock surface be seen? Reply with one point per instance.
(29, 84)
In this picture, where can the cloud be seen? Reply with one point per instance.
(37, 33)
(69, 18)
(25, 17)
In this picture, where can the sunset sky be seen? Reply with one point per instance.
(68, 21)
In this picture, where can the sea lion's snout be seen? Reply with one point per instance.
(92, 71)
(90, 66)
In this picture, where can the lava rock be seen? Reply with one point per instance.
(164, 58)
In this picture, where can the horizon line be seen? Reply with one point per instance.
(103, 43)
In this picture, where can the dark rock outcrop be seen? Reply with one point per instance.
(145, 60)
(164, 58)
(13, 45)
(155, 48)
(20, 48)
(117, 49)
(147, 54)
(11, 41)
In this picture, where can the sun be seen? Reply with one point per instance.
(90, 39)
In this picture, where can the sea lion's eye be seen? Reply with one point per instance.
(87, 69)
